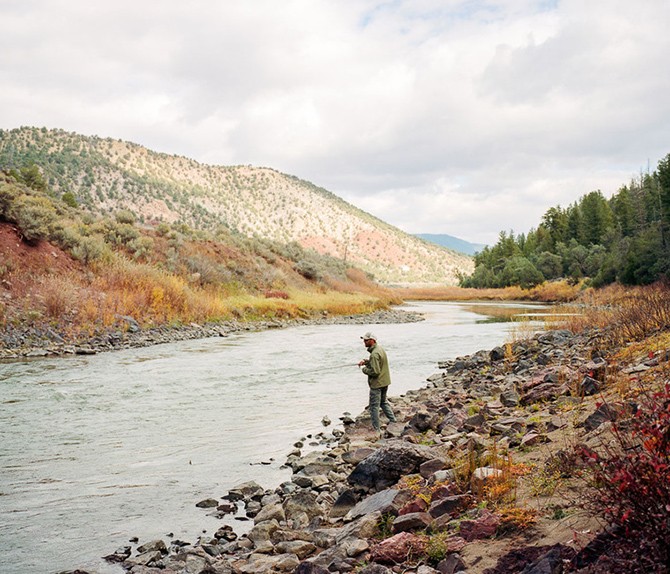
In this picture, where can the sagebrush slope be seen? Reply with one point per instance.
(106, 175)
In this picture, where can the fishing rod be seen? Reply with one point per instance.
(333, 368)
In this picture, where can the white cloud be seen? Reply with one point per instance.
(461, 117)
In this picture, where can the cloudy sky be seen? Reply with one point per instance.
(464, 117)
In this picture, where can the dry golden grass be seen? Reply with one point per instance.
(621, 315)
(554, 291)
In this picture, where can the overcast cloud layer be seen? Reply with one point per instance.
(464, 117)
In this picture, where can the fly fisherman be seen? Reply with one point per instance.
(379, 379)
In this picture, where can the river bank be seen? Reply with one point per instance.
(478, 475)
(17, 344)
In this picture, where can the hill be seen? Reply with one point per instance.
(451, 242)
(105, 175)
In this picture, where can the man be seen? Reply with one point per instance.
(379, 379)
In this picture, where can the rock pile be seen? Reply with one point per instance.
(35, 342)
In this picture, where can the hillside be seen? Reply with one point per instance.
(106, 175)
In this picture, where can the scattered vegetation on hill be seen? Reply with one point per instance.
(77, 273)
(624, 239)
(104, 176)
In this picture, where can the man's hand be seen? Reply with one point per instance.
(363, 362)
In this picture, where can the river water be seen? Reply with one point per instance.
(97, 449)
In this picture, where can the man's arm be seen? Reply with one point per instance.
(374, 365)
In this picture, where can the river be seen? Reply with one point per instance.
(97, 449)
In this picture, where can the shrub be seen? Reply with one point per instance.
(141, 247)
(33, 216)
(631, 476)
(8, 195)
(66, 236)
(125, 216)
(69, 199)
(308, 270)
(91, 249)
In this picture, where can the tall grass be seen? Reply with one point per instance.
(550, 291)
(621, 315)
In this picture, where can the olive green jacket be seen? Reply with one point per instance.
(377, 368)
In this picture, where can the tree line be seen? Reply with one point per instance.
(623, 239)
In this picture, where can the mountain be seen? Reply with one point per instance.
(451, 242)
(105, 175)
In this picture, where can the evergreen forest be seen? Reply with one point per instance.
(624, 239)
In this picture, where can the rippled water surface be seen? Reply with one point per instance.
(97, 449)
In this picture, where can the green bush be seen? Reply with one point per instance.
(33, 216)
(141, 247)
(309, 270)
(125, 216)
(8, 195)
(91, 249)
(66, 236)
(68, 198)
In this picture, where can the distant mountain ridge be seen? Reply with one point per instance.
(451, 242)
(106, 175)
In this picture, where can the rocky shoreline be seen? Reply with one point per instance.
(418, 499)
(19, 344)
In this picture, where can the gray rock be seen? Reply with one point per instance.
(589, 386)
(411, 521)
(382, 501)
(449, 504)
(451, 564)
(384, 467)
(310, 568)
(510, 398)
(263, 531)
(154, 545)
(302, 502)
(300, 548)
(245, 490)
(430, 467)
(144, 559)
(344, 503)
(270, 512)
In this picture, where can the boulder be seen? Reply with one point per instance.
(412, 521)
(300, 548)
(430, 467)
(382, 501)
(302, 502)
(153, 546)
(396, 549)
(263, 531)
(385, 466)
(589, 386)
(484, 526)
(357, 455)
(343, 504)
(270, 512)
(310, 568)
(497, 354)
(416, 505)
(451, 564)
(510, 398)
(207, 503)
(450, 504)
(245, 490)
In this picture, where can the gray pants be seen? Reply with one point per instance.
(377, 400)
